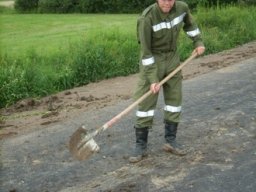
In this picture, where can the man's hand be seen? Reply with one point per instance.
(154, 87)
(199, 50)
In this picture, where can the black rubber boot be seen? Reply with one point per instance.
(170, 138)
(140, 150)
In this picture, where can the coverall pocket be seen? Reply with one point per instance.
(159, 34)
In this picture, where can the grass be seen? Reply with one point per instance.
(45, 53)
(47, 33)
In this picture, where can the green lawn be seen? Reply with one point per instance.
(47, 33)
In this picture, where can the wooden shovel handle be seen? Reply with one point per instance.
(143, 97)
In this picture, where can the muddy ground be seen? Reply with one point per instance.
(218, 127)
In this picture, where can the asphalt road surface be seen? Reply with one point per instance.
(218, 128)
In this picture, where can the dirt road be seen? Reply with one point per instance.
(218, 128)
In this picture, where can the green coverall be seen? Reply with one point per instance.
(158, 34)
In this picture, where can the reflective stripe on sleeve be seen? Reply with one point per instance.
(148, 61)
(193, 33)
(177, 20)
(145, 114)
(172, 109)
(168, 25)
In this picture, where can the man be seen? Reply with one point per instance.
(157, 29)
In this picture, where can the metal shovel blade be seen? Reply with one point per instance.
(82, 145)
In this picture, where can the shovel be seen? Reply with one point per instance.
(82, 145)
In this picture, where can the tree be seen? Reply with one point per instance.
(26, 5)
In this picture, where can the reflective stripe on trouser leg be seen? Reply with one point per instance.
(173, 98)
(145, 111)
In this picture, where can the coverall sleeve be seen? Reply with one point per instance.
(192, 30)
(148, 67)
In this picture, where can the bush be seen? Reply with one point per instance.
(87, 6)
(93, 6)
(247, 2)
(24, 77)
(110, 6)
(104, 55)
(6, 10)
(194, 3)
(26, 5)
(57, 6)
(100, 56)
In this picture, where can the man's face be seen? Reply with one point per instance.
(165, 5)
